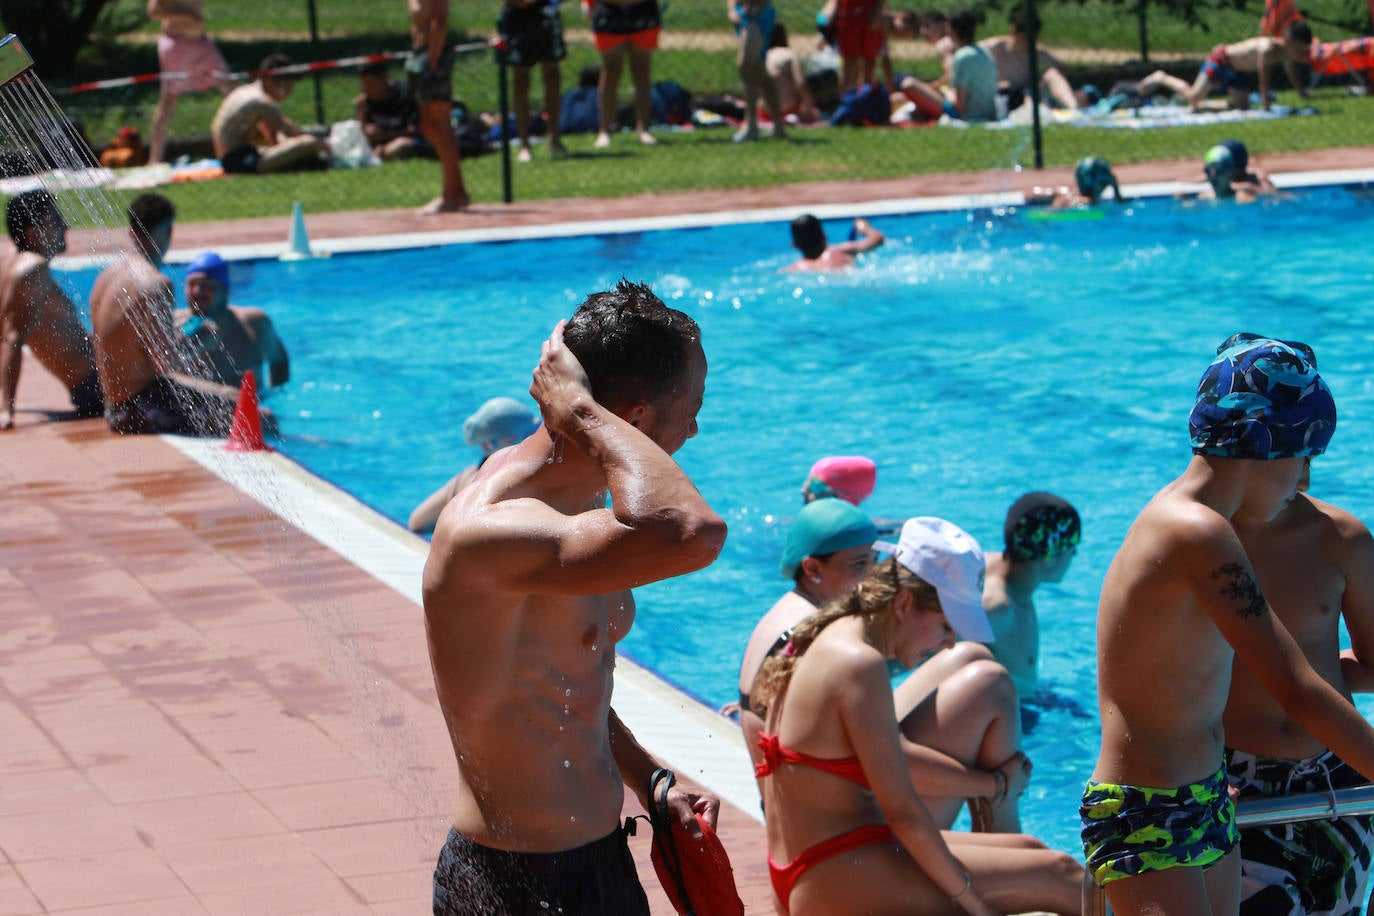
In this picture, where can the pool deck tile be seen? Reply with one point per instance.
(207, 711)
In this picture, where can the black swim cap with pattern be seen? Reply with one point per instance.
(1040, 526)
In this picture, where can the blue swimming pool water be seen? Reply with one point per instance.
(976, 356)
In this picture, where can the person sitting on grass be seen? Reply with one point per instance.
(785, 73)
(1237, 69)
(847, 830)
(252, 135)
(819, 255)
(390, 120)
(1011, 53)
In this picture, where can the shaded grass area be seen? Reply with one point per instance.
(707, 159)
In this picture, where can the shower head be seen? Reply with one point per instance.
(14, 60)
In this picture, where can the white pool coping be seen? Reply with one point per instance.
(675, 727)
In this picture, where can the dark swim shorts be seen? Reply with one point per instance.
(166, 406)
(592, 880)
(1317, 866)
(534, 34)
(426, 85)
(87, 398)
(1132, 830)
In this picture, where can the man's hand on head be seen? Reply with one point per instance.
(560, 384)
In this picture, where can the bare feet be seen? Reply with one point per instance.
(647, 138)
(603, 141)
(439, 205)
(524, 155)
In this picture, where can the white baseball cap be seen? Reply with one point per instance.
(947, 557)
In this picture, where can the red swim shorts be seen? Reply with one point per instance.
(645, 39)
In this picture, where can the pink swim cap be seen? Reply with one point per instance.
(850, 477)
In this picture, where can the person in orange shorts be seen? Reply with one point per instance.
(625, 28)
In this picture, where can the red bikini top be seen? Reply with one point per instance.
(774, 754)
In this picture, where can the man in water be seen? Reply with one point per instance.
(1041, 534)
(147, 389)
(527, 592)
(1315, 563)
(225, 340)
(817, 254)
(1180, 604)
(187, 59)
(1229, 174)
(429, 81)
(35, 311)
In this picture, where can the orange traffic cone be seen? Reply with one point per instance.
(245, 432)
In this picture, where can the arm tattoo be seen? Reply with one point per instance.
(1237, 585)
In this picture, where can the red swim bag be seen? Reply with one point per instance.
(695, 873)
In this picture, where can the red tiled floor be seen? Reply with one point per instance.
(206, 711)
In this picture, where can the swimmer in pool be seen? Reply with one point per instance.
(1230, 175)
(497, 423)
(1041, 534)
(1092, 178)
(817, 254)
(1180, 606)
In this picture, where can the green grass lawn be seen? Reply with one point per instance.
(705, 158)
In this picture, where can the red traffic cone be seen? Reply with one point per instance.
(245, 432)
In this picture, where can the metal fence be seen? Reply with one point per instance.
(1098, 48)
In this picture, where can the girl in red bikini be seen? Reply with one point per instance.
(847, 832)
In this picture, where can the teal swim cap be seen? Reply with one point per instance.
(823, 527)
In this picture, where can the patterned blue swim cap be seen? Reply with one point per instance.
(1262, 399)
(1093, 176)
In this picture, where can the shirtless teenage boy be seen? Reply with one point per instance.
(1179, 604)
(527, 592)
(1041, 534)
(1315, 563)
(251, 133)
(1238, 69)
(818, 254)
(136, 348)
(35, 311)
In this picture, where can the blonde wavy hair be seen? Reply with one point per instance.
(873, 597)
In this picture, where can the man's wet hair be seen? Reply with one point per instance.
(963, 24)
(148, 211)
(633, 348)
(808, 237)
(25, 211)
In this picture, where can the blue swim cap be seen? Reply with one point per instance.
(823, 527)
(212, 265)
(1262, 399)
